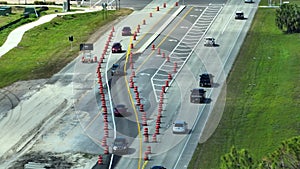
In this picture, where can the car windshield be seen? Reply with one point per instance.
(119, 142)
(178, 125)
(126, 29)
(116, 44)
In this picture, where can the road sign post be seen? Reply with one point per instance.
(71, 39)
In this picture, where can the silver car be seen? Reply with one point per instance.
(180, 126)
(249, 1)
(209, 41)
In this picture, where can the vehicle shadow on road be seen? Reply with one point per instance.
(189, 131)
(126, 114)
(215, 85)
(243, 18)
(207, 101)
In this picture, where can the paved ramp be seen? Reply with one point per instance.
(184, 48)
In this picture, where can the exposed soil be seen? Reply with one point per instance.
(51, 160)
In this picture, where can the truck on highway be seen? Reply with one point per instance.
(205, 80)
(197, 95)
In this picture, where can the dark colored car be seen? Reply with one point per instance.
(205, 80)
(158, 167)
(126, 31)
(116, 48)
(197, 96)
(120, 146)
(119, 110)
(239, 15)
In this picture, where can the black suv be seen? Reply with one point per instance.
(197, 96)
(205, 80)
(116, 47)
(120, 146)
(239, 15)
(157, 167)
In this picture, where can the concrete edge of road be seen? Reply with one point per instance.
(158, 32)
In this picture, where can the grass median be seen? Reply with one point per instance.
(263, 95)
(45, 49)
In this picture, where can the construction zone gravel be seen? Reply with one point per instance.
(29, 139)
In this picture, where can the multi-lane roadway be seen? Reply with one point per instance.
(181, 41)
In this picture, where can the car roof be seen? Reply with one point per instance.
(116, 44)
(157, 167)
(204, 74)
(239, 12)
(198, 91)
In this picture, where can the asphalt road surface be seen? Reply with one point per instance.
(183, 40)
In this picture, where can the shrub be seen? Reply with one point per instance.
(43, 3)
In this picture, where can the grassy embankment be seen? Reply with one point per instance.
(45, 49)
(263, 95)
(17, 13)
(277, 2)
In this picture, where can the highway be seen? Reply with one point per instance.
(179, 40)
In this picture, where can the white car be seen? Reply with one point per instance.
(209, 41)
(249, 1)
(180, 126)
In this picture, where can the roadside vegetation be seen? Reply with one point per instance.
(17, 13)
(277, 2)
(263, 97)
(288, 18)
(285, 156)
(4, 20)
(45, 49)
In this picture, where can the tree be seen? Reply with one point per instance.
(288, 18)
(286, 156)
(237, 159)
